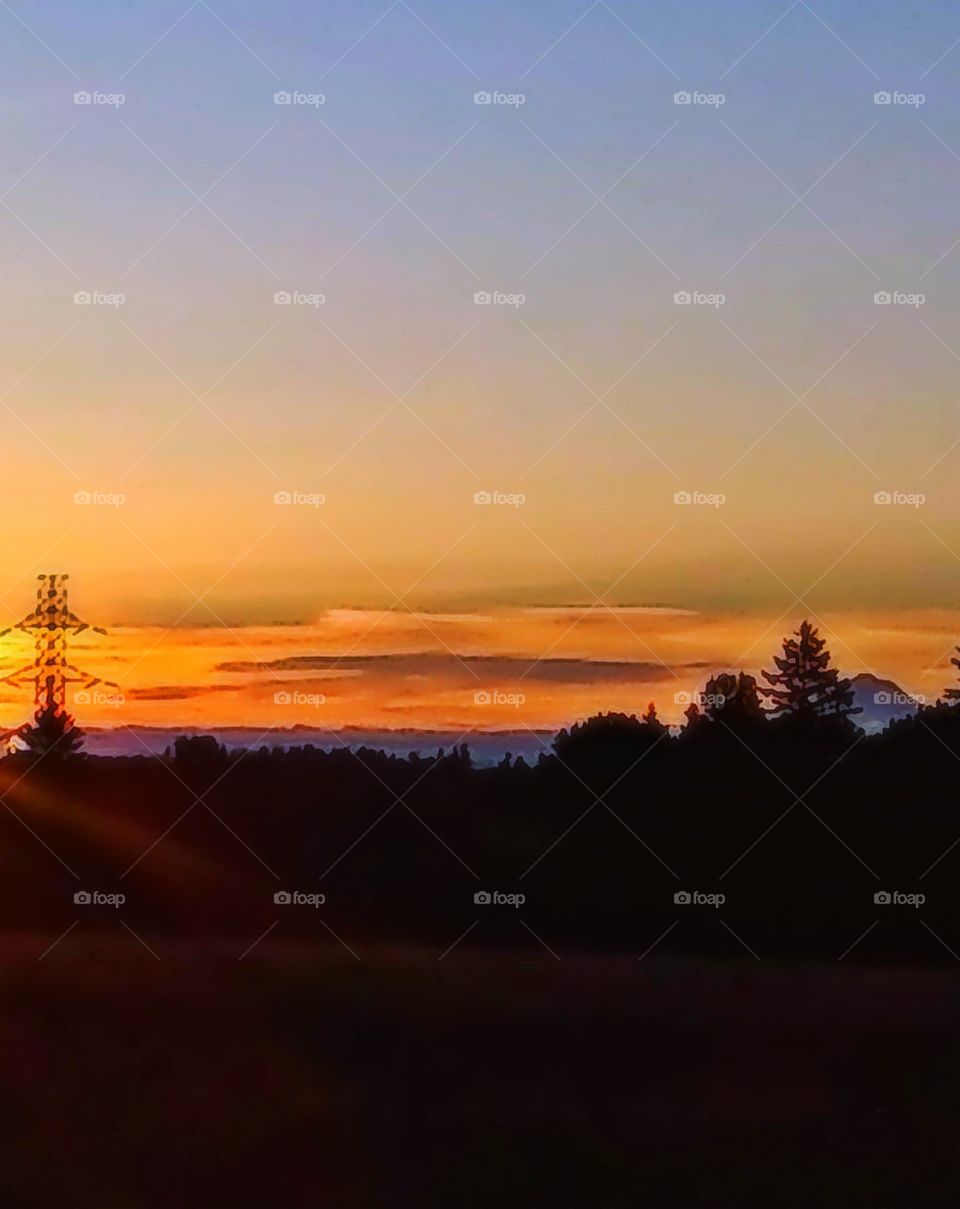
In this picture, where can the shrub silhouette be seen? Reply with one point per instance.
(53, 734)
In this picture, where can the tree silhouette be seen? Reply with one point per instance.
(695, 719)
(806, 690)
(199, 754)
(733, 700)
(52, 734)
(605, 747)
(651, 720)
(953, 694)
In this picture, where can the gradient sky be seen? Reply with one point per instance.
(507, 668)
(302, 399)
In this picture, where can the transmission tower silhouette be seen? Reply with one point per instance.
(52, 625)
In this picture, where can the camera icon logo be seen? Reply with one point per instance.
(482, 98)
(882, 699)
(282, 497)
(282, 898)
(282, 98)
(283, 298)
(482, 497)
(682, 898)
(82, 898)
(882, 298)
(83, 298)
(82, 98)
(482, 298)
(882, 98)
(682, 497)
(482, 697)
(482, 898)
(82, 497)
(682, 98)
(282, 697)
(882, 898)
(882, 497)
(682, 298)
(82, 697)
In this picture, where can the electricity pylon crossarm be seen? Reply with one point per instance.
(52, 623)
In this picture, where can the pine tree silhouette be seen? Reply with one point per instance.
(53, 734)
(806, 689)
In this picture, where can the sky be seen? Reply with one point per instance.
(581, 437)
(517, 669)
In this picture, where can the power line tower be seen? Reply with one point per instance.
(52, 625)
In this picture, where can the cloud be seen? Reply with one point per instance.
(598, 610)
(418, 615)
(178, 692)
(559, 670)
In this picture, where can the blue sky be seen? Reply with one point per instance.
(502, 197)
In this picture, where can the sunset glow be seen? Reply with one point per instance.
(526, 668)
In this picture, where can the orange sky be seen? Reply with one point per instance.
(517, 667)
(252, 369)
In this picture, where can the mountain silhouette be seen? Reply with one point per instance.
(882, 701)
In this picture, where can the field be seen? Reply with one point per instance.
(300, 1077)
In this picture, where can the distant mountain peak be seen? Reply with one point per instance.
(882, 701)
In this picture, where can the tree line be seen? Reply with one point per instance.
(770, 806)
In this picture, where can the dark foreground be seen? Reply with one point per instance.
(301, 1077)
